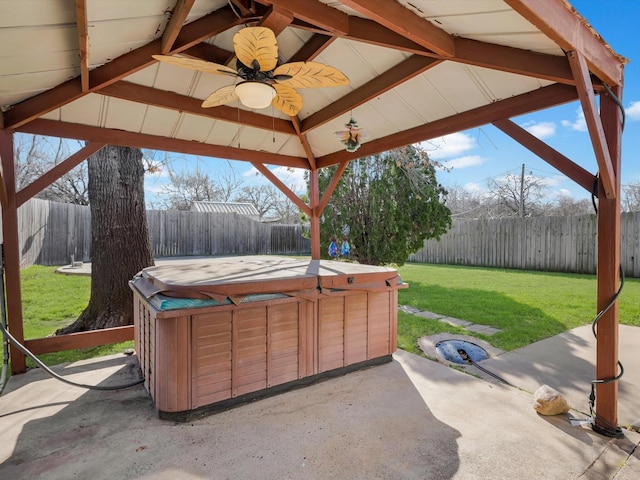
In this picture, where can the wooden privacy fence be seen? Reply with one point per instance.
(557, 244)
(52, 233)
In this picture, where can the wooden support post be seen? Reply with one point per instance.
(12, 251)
(608, 274)
(314, 202)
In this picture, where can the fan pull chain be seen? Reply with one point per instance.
(273, 125)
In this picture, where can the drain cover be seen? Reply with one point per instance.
(457, 351)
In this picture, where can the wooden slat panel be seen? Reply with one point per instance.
(212, 359)
(331, 333)
(283, 360)
(356, 328)
(379, 334)
(173, 364)
(249, 369)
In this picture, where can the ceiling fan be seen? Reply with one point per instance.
(263, 82)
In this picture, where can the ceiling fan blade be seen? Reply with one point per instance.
(221, 96)
(310, 75)
(287, 100)
(256, 44)
(195, 64)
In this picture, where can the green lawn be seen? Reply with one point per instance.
(50, 301)
(527, 306)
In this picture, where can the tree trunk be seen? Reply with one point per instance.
(120, 245)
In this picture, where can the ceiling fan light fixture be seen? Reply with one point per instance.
(255, 94)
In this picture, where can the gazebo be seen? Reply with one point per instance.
(417, 70)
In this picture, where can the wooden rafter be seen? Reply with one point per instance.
(559, 22)
(3, 188)
(513, 60)
(409, 68)
(154, 142)
(417, 29)
(554, 158)
(56, 172)
(182, 103)
(511, 107)
(312, 48)
(295, 121)
(277, 19)
(282, 187)
(594, 124)
(118, 68)
(178, 16)
(315, 13)
(333, 183)
(83, 43)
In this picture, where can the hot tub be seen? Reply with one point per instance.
(217, 332)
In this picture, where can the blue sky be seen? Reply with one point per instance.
(478, 155)
(486, 153)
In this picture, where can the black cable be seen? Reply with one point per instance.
(7, 336)
(465, 356)
(53, 374)
(608, 429)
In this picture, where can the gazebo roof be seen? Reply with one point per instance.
(418, 69)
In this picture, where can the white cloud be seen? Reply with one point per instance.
(551, 181)
(633, 111)
(541, 130)
(291, 177)
(579, 124)
(476, 189)
(449, 146)
(563, 193)
(464, 162)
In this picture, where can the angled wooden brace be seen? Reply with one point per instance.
(594, 123)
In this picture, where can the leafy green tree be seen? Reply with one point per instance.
(385, 206)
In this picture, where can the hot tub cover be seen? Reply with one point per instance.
(225, 279)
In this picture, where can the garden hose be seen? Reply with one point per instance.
(6, 337)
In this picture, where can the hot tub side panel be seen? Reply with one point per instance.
(355, 326)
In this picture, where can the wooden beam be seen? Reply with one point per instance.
(406, 70)
(511, 107)
(209, 53)
(608, 273)
(367, 31)
(178, 17)
(276, 19)
(154, 142)
(560, 22)
(316, 13)
(117, 69)
(282, 187)
(403, 21)
(56, 172)
(4, 200)
(134, 92)
(83, 42)
(11, 246)
(554, 158)
(594, 124)
(304, 142)
(326, 195)
(314, 220)
(72, 341)
(513, 60)
(314, 47)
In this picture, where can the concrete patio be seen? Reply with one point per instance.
(412, 418)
